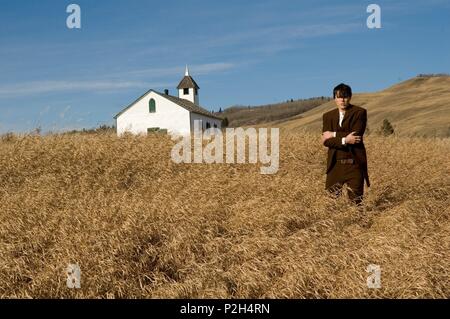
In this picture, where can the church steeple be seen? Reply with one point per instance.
(188, 89)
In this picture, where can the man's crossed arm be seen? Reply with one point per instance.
(338, 140)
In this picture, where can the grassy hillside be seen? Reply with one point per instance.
(253, 115)
(141, 226)
(417, 107)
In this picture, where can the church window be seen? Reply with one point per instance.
(152, 106)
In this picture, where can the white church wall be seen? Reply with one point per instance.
(190, 97)
(137, 119)
(205, 119)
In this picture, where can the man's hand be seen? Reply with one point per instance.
(326, 135)
(352, 138)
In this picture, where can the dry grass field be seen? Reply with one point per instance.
(141, 226)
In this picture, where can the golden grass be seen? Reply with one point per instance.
(141, 226)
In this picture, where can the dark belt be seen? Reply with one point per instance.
(346, 161)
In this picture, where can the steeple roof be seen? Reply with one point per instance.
(187, 82)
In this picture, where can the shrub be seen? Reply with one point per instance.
(225, 122)
(387, 128)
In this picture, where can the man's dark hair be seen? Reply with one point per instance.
(342, 90)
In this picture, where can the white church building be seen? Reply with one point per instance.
(161, 112)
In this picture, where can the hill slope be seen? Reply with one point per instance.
(253, 115)
(417, 107)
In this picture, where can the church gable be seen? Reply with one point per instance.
(153, 103)
(133, 104)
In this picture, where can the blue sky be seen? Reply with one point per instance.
(239, 52)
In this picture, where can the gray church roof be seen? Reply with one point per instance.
(187, 83)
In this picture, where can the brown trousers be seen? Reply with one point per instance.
(349, 174)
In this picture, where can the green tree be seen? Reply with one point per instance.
(225, 122)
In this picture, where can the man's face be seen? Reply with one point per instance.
(342, 102)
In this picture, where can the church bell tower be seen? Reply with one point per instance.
(188, 89)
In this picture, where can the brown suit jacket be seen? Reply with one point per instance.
(355, 120)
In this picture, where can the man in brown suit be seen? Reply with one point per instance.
(343, 130)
